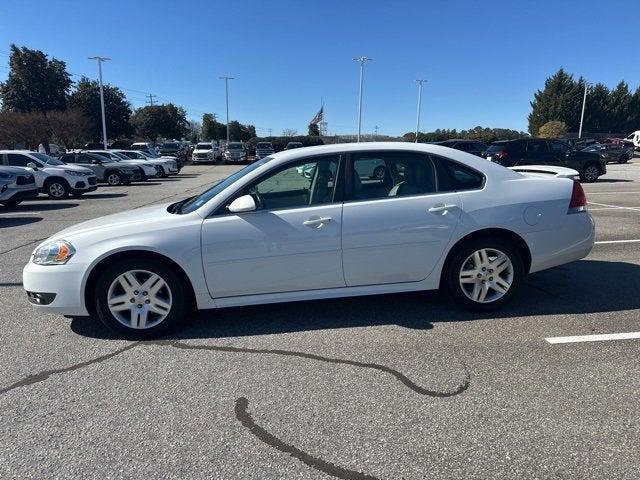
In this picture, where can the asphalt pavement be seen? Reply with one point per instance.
(402, 386)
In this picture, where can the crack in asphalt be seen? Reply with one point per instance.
(37, 240)
(310, 356)
(314, 462)
(44, 375)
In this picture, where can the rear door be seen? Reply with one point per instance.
(536, 153)
(558, 153)
(395, 228)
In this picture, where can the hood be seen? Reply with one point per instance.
(133, 218)
(76, 168)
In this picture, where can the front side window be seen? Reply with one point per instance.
(537, 147)
(557, 147)
(17, 160)
(302, 184)
(391, 174)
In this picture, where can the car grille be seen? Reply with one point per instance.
(92, 180)
(202, 155)
(25, 179)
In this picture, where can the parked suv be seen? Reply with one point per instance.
(264, 149)
(539, 151)
(16, 184)
(634, 139)
(205, 152)
(473, 147)
(112, 173)
(53, 177)
(234, 152)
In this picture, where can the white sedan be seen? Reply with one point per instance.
(438, 217)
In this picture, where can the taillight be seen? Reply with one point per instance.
(578, 201)
(502, 154)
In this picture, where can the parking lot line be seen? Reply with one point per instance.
(635, 209)
(604, 242)
(594, 338)
(19, 214)
(613, 192)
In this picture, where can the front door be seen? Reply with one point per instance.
(290, 243)
(396, 228)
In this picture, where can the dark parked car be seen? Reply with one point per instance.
(473, 147)
(113, 173)
(264, 149)
(292, 145)
(618, 152)
(539, 151)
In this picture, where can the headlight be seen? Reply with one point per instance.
(57, 252)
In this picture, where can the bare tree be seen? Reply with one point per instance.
(289, 132)
(71, 128)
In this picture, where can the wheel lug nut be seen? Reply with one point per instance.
(490, 270)
(145, 293)
(139, 305)
(133, 300)
(479, 275)
(491, 278)
(136, 292)
(147, 302)
(484, 269)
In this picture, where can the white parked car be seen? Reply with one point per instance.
(634, 139)
(439, 218)
(205, 152)
(149, 169)
(167, 165)
(53, 177)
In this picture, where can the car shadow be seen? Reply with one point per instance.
(587, 286)
(6, 222)
(103, 195)
(611, 180)
(145, 184)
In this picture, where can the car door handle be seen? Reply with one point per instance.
(441, 207)
(316, 221)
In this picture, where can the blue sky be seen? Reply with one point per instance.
(483, 60)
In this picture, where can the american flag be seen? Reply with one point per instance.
(318, 118)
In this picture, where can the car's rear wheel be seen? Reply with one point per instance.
(140, 298)
(484, 274)
(624, 159)
(57, 189)
(590, 173)
(114, 179)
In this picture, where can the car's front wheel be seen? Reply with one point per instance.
(114, 179)
(484, 274)
(57, 189)
(140, 298)
(590, 173)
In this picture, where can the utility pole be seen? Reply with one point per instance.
(150, 97)
(361, 60)
(226, 89)
(376, 130)
(104, 122)
(269, 132)
(584, 103)
(419, 82)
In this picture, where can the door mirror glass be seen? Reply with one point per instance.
(245, 203)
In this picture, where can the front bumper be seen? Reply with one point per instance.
(19, 195)
(60, 285)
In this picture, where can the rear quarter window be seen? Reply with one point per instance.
(455, 177)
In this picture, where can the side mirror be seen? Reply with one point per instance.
(32, 165)
(245, 203)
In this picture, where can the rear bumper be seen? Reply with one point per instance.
(569, 242)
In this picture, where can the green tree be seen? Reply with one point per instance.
(239, 132)
(561, 100)
(153, 121)
(212, 129)
(86, 97)
(35, 83)
(596, 116)
(619, 108)
(634, 116)
(314, 131)
(553, 129)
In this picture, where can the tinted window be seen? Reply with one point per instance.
(17, 160)
(391, 174)
(453, 176)
(203, 146)
(84, 158)
(496, 147)
(304, 183)
(537, 147)
(68, 158)
(558, 147)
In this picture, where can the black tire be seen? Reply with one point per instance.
(172, 320)
(590, 173)
(454, 267)
(56, 189)
(163, 174)
(378, 172)
(113, 178)
(624, 159)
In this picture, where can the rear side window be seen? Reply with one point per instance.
(17, 160)
(455, 177)
(537, 147)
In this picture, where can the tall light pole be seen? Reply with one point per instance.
(361, 60)
(584, 103)
(104, 122)
(226, 90)
(419, 82)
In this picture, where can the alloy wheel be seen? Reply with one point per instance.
(113, 179)
(139, 299)
(591, 173)
(56, 190)
(486, 275)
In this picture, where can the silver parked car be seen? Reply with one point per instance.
(16, 184)
(112, 173)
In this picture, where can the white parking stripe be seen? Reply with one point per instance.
(19, 214)
(612, 193)
(635, 209)
(604, 242)
(594, 338)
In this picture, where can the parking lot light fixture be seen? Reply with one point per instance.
(104, 122)
(362, 61)
(420, 82)
(226, 90)
(584, 103)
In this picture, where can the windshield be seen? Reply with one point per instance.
(263, 145)
(196, 202)
(234, 146)
(204, 146)
(170, 146)
(46, 159)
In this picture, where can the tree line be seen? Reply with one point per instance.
(482, 134)
(615, 111)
